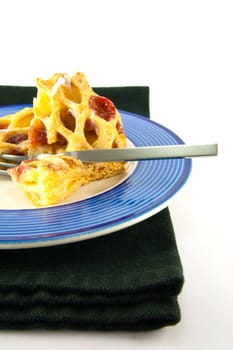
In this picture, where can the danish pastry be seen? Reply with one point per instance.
(66, 115)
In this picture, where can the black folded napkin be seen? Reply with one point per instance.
(127, 280)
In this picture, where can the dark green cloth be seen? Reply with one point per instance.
(129, 98)
(127, 280)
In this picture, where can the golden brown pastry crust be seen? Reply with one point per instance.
(63, 109)
(51, 180)
(66, 115)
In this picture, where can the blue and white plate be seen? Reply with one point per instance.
(146, 189)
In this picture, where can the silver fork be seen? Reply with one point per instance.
(124, 154)
(14, 160)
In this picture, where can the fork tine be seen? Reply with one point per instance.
(14, 160)
(13, 157)
(8, 165)
(4, 172)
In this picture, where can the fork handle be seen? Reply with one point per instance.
(146, 153)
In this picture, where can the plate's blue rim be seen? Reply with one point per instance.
(110, 226)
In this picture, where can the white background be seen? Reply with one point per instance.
(183, 51)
